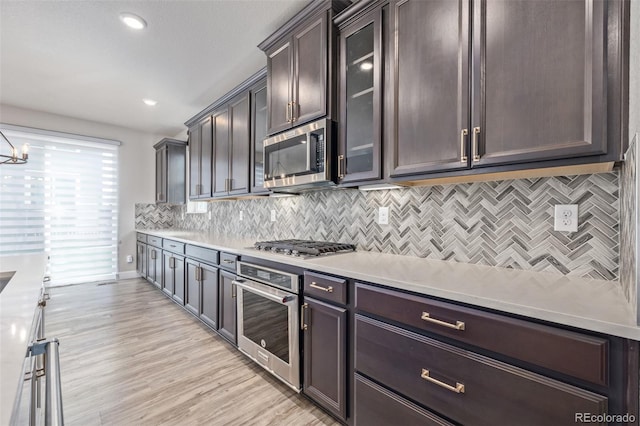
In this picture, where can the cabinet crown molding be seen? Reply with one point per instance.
(169, 141)
(309, 10)
(242, 87)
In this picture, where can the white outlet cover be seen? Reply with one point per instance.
(383, 215)
(209, 214)
(565, 218)
(129, 259)
(273, 215)
(241, 215)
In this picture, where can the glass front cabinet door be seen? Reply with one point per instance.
(359, 156)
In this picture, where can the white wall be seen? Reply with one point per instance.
(136, 159)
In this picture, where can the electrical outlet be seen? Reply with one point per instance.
(273, 215)
(129, 258)
(209, 214)
(383, 215)
(565, 218)
(241, 215)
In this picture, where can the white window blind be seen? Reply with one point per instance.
(64, 202)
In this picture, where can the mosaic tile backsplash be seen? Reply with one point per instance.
(629, 187)
(506, 223)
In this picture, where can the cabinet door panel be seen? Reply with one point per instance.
(192, 286)
(221, 152)
(178, 280)
(157, 278)
(279, 73)
(206, 150)
(430, 80)
(239, 152)
(325, 355)
(549, 102)
(310, 71)
(195, 141)
(209, 312)
(141, 259)
(167, 273)
(227, 307)
(258, 135)
(161, 175)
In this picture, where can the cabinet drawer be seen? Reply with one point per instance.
(228, 261)
(141, 237)
(325, 287)
(206, 255)
(173, 246)
(375, 405)
(533, 343)
(463, 386)
(154, 241)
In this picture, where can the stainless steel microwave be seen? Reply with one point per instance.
(300, 158)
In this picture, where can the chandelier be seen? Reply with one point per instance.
(13, 158)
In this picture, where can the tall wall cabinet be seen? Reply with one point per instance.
(170, 171)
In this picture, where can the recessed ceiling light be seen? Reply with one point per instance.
(150, 102)
(366, 66)
(133, 21)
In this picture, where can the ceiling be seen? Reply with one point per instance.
(76, 58)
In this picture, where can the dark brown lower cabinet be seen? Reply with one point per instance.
(192, 287)
(227, 305)
(377, 406)
(325, 350)
(464, 386)
(209, 286)
(173, 276)
(154, 266)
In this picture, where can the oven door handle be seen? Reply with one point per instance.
(283, 300)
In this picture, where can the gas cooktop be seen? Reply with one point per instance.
(304, 248)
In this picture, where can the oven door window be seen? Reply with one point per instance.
(266, 323)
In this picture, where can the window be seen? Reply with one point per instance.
(64, 202)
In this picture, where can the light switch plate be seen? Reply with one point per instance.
(383, 215)
(565, 218)
(273, 215)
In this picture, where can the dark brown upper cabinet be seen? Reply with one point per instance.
(360, 86)
(258, 135)
(170, 171)
(301, 67)
(200, 154)
(534, 82)
(222, 136)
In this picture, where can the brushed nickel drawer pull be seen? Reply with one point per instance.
(463, 133)
(227, 261)
(458, 388)
(476, 155)
(327, 289)
(303, 309)
(459, 325)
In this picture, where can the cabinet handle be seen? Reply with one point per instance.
(458, 388)
(227, 261)
(197, 273)
(293, 113)
(319, 287)
(233, 290)
(459, 325)
(172, 262)
(153, 254)
(340, 171)
(476, 132)
(303, 309)
(287, 112)
(463, 134)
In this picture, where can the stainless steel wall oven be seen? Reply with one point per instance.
(268, 320)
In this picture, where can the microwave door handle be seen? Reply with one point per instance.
(308, 151)
(283, 300)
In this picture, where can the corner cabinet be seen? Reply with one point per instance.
(171, 157)
(360, 137)
(300, 67)
(498, 82)
(200, 154)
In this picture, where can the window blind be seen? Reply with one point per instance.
(64, 202)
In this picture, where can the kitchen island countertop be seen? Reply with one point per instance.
(18, 302)
(589, 304)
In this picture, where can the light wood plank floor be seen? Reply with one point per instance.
(130, 356)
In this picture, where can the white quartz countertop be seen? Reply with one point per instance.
(589, 304)
(18, 302)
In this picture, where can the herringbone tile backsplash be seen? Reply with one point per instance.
(505, 223)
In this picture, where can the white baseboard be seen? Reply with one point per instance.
(127, 275)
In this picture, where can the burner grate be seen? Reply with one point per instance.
(304, 247)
